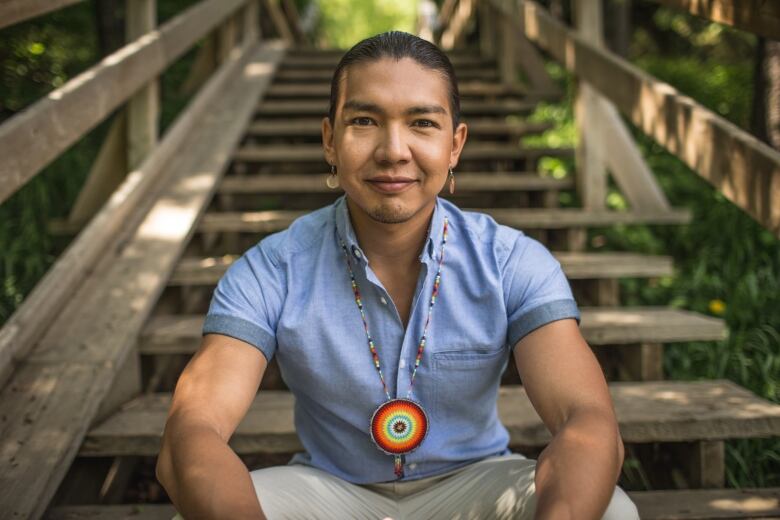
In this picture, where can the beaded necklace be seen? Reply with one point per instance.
(398, 426)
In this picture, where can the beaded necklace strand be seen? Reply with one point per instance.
(398, 426)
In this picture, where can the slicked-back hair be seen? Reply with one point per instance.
(397, 45)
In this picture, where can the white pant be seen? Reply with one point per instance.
(493, 488)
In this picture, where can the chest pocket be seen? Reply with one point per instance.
(467, 382)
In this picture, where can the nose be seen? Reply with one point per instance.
(393, 146)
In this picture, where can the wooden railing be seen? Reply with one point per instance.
(742, 168)
(32, 139)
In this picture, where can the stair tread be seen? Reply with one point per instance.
(598, 325)
(533, 218)
(649, 411)
(576, 265)
(674, 504)
(467, 181)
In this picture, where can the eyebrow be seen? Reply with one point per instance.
(363, 106)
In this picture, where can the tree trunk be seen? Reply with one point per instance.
(765, 122)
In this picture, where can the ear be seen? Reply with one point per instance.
(327, 141)
(458, 141)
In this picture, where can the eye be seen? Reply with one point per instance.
(360, 119)
(431, 125)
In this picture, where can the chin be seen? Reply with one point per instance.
(390, 213)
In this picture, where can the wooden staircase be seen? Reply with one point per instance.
(276, 173)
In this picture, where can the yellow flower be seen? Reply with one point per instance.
(717, 307)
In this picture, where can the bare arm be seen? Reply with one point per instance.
(577, 472)
(202, 475)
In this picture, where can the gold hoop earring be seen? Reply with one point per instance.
(332, 180)
(452, 182)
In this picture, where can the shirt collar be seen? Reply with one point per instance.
(346, 232)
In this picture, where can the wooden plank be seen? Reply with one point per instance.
(740, 166)
(707, 504)
(322, 90)
(534, 218)
(296, 153)
(476, 128)
(325, 73)
(657, 411)
(576, 266)
(320, 107)
(36, 136)
(74, 365)
(756, 16)
(103, 233)
(699, 504)
(467, 181)
(180, 334)
(15, 11)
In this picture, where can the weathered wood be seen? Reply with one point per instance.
(55, 392)
(103, 233)
(296, 153)
(15, 11)
(741, 167)
(467, 181)
(757, 16)
(279, 21)
(476, 128)
(455, 30)
(664, 411)
(710, 504)
(143, 108)
(641, 362)
(506, 47)
(105, 175)
(487, 29)
(534, 218)
(180, 334)
(320, 108)
(591, 171)
(33, 138)
(531, 62)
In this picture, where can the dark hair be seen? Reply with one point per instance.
(398, 45)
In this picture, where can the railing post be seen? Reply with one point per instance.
(506, 50)
(591, 168)
(143, 109)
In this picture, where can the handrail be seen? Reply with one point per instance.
(15, 11)
(33, 138)
(757, 16)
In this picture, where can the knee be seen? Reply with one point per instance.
(621, 507)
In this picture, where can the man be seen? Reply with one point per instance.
(394, 299)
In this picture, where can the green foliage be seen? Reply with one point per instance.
(343, 23)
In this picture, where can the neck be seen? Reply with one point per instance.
(391, 244)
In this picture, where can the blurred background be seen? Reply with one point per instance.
(728, 265)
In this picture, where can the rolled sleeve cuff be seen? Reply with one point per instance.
(242, 329)
(541, 315)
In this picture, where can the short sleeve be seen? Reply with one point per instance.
(535, 289)
(247, 301)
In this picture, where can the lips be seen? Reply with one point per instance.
(387, 184)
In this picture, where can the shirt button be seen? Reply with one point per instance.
(356, 252)
(382, 299)
(402, 364)
(412, 465)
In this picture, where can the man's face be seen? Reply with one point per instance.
(392, 139)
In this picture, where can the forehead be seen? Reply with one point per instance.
(390, 82)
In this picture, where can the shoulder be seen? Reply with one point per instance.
(302, 234)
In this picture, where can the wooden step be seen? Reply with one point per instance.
(181, 334)
(656, 411)
(476, 128)
(290, 74)
(466, 182)
(297, 153)
(468, 108)
(577, 266)
(314, 89)
(700, 504)
(532, 218)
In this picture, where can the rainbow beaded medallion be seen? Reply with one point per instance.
(399, 426)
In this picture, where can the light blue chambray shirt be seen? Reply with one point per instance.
(290, 295)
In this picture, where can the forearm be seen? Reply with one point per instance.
(577, 472)
(204, 478)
